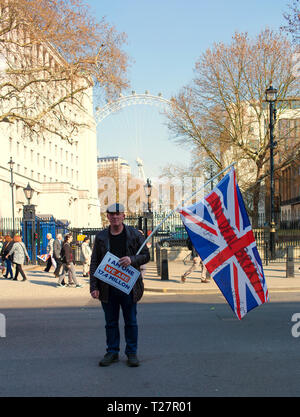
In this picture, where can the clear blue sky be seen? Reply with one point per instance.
(165, 38)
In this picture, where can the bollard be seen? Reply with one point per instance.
(164, 269)
(290, 271)
(158, 259)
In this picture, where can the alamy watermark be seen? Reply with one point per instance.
(166, 194)
(296, 327)
(2, 325)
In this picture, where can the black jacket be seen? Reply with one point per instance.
(66, 253)
(5, 250)
(134, 240)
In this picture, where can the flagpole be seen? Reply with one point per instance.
(182, 204)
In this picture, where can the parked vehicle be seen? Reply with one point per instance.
(177, 238)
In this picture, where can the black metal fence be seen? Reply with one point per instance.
(10, 227)
(171, 234)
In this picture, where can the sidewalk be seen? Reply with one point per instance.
(40, 289)
(275, 276)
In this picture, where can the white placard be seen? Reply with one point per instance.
(111, 272)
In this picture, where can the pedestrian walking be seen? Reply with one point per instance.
(19, 253)
(51, 260)
(124, 242)
(8, 244)
(68, 264)
(57, 246)
(85, 256)
(197, 262)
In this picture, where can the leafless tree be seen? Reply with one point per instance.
(223, 114)
(52, 53)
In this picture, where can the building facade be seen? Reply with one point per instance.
(63, 173)
(288, 177)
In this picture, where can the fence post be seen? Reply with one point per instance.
(266, 252)
(164, 265)
(290, 271)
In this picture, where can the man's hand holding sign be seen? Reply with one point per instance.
(125, 261)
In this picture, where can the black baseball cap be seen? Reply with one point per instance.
(115, 208)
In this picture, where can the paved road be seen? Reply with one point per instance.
(190, 345)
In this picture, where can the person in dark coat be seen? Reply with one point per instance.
(124, 242)
(8, 244)
(57, 246)
(68, 263)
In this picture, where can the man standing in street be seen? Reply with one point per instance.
(124, 242)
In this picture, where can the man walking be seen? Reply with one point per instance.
(57, 245)
(50, 260)
(124, 242)
(197, 262)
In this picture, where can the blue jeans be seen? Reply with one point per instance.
(8, 268)
(111, 309)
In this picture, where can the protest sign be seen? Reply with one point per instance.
(111, 272)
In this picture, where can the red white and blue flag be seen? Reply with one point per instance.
(43, 257)
(221, 233)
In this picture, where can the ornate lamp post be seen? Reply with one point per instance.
(148, 191)
(271, 97)
(11, 167)
(29, 222)
(148, 214)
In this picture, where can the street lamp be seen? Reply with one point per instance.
(148, 191)
(11, 167)
(271, 97)
(28, 191)
(148, 214)
(29, 223)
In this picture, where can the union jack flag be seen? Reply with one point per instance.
(43, 257)
(221, 233)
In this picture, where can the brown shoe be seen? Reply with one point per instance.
(183, 278)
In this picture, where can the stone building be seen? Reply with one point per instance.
(62, 172)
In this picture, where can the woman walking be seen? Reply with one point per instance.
(68, 264)
(8, 244)
(19, 253)
(85, 256)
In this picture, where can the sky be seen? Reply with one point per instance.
(164, 40)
